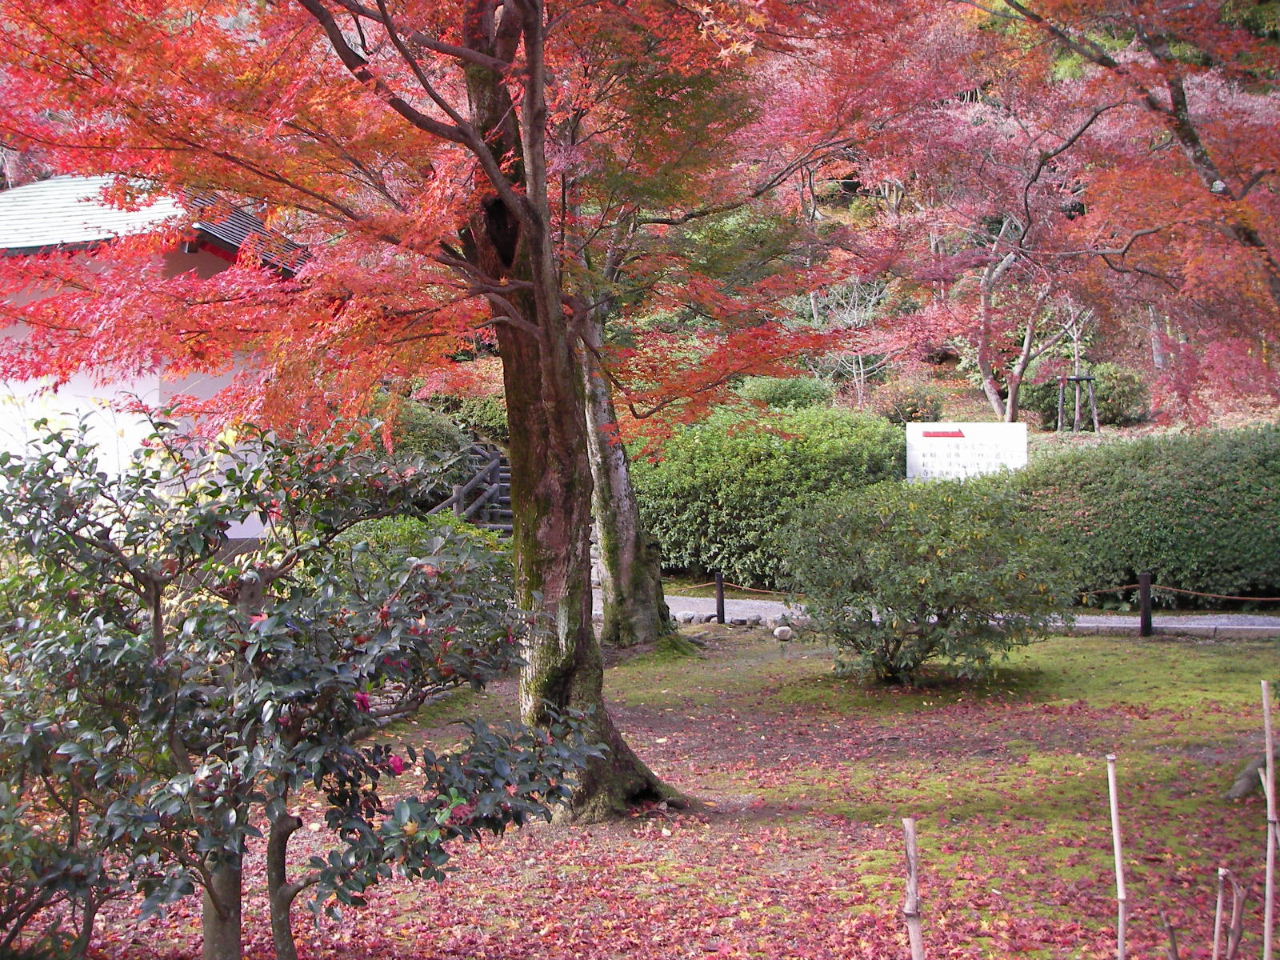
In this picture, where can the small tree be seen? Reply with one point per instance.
(897, 575)
(198, 689)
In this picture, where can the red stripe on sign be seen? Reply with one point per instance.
(944, 433)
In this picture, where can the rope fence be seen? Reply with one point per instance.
(736, 586)
(1190, 593)
(1086, 593)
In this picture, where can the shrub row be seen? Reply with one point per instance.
(725, 488)
(1199, 511)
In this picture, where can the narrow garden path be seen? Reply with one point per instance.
(1209, 623)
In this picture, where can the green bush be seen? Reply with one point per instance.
(906, 401)
(726, 487)
(1198, 511)
(786, 393)
(483, 417)
(390, 538)
(1122, 396)
(420, 430)
(899, 574)
(151, 648)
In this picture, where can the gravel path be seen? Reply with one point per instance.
(1209, 624)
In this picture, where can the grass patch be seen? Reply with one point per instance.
(808, 775)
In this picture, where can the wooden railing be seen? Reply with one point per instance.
(485, 499)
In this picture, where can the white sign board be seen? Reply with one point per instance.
(950, 451)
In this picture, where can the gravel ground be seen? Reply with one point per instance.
(1210, 623)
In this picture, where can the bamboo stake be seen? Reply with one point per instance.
(1235, 929)
(1172, 950)
(1218, 913)
(911, 908)
(1122, 900)
(1269, 787)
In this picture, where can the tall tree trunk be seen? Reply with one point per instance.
(510, 239)
(220, 922)
(551, 501)
(634, 608)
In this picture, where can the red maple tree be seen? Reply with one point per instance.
(531, 174)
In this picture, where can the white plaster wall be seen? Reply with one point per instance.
(106, 408)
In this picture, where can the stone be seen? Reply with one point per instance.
(784, 633)
(685, 617)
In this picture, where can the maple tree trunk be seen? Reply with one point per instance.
(510, 238)
(634, 608)
(220, 921)
(551, 500)
(990, 387)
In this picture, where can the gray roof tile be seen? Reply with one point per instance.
(70, 212)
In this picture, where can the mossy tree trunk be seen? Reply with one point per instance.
(634, 608)
(511, 242)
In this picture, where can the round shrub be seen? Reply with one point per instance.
(1122, 395)
(1199, 511)
(897, 575)
(726, 487)
(484, 417)
(393, 537)
(906, 401)
(786, 393)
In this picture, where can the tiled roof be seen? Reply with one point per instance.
(236, 229)
(70, 212)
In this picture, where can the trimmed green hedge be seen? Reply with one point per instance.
(1201, 512)
(725, 488)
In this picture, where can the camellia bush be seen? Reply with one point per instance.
(1198, 511)
(181, 691)
(898, 575)
(724, 489)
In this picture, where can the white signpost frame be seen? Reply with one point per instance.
(951, 451)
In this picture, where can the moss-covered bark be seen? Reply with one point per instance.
(511, 242)
(634, 608)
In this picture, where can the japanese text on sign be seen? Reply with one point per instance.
(951, 451)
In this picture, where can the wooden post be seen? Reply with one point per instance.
(1062, 399)
(1144, 604)
(1122, 899)
(720, 597)
(911, 907)
(1269, 787)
